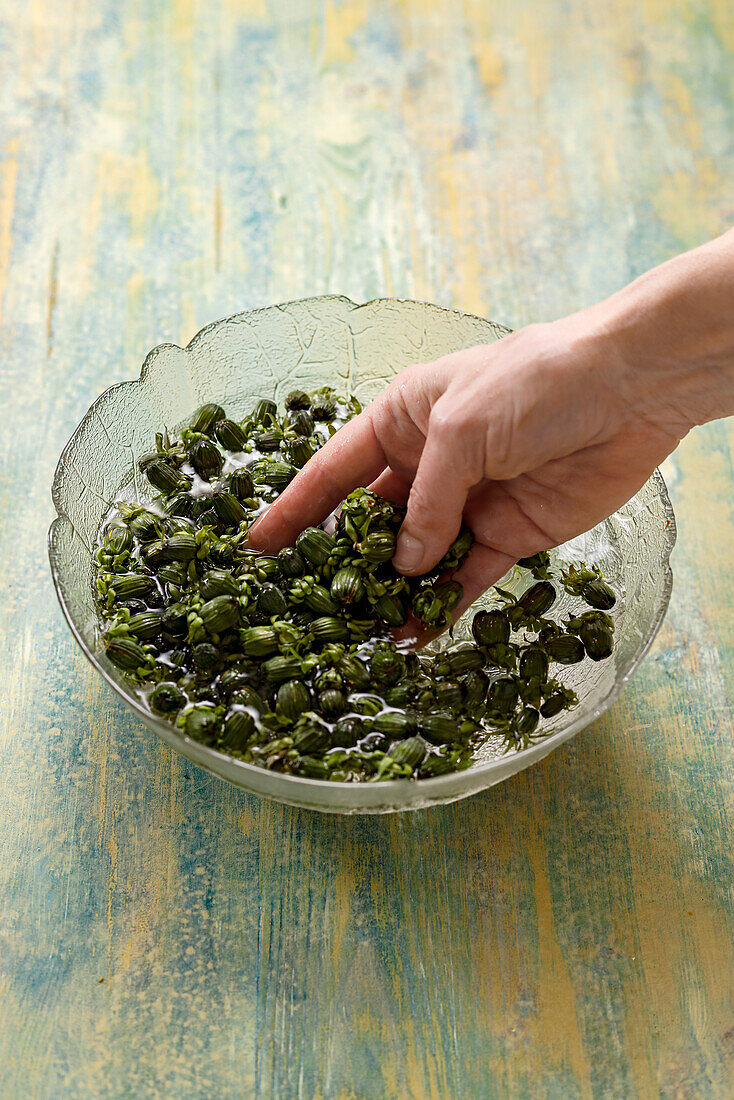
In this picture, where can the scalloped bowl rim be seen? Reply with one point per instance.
(299, 790)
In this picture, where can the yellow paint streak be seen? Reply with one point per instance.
(691, 205)
(460, 213)
(557, 1017)
(681, 111)
(720, 14)
(183, 21)
(248, 9)
(340, 23)
(53, 278)
(8, 181)
(537, 45)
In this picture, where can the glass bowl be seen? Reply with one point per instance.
(267, 352)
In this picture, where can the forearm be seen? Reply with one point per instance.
(672, 333)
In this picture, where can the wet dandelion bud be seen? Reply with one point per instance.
(269, 442)
(598, 594)
(218, 582)
(265, 412)
(329, 629)
(387, 666)
(537, 600)
(174, 620)
(311, 735)
(271, 601)
(129, 585)
(258, 641)
(268, 471)
(391, 610)
(300, 451)
(534, 664)
(465, 659)
(279, 669)
(126, 654)
(205, 656)
(502, 697)
(565, 649)
(230, 435)
(315, 545)
(379, 546)
(439, 729)
(219, 614)
(241, 484)
(229, 509)
(346, 585)
(597, 639)
(396, 724)
(293, 699)
(332, 703)
(491, 628)
(526, 721)
(409, 752)
(297, 399)
(165, 477)
(554, 704)
(205, 418)
(302, 423)
(319, 600)
(355, 672)
(201, 724)
(290, 562)
(146, 625)
(238, 729)
(323, 408)
(166, 698)
(206, 458)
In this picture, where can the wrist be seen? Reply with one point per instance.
(668, 338)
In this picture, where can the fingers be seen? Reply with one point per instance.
(435, 507)
(352, 457)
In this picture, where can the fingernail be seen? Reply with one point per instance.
(408, 555)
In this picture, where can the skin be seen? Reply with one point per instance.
(537, 437)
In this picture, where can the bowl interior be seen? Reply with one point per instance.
(268, 352)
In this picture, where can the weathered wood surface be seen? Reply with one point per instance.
(570, 934)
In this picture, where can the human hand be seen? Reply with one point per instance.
(532, 440)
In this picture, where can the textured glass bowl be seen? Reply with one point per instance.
(267, 352)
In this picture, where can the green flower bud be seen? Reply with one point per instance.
(315, 545)
(167, 478)
(258, 641)
(346, 585)
(229, 509)
(206, 458)
(238, 729)
(293, 699)
(220, 613)
(126, 654)
(491, 628)
(166, 698)
(241, 484)
(230, 435)
(439, 729)
(205, 418)
(218, 582)
(597, 639)
(201, 724)
(565, 649)
(409, 752)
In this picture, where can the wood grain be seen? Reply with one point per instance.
(570, 934)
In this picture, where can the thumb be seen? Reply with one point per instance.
(435, 507)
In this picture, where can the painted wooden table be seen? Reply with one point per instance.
(569, 934)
